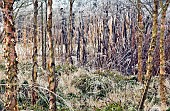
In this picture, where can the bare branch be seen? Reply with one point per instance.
(165, 7)
(150, 12)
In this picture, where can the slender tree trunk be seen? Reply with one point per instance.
(58, 42)
(51, 64)
(150, 54)
(110, 25)
(10, 56)
(69, 58)
(162, 58)
(42, 37)
(25, 33)
(63, 37)
(84, 56)
(35, 54)
(98, 34)
(140, 36)
(45, 36)
(93, 34)
(78, 45)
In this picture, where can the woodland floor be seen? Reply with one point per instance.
(80, 89)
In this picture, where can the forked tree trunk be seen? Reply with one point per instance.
(139, 38)
(35, 54)
(51, 64)
(162, 58)
(10, 56)
(150, 54)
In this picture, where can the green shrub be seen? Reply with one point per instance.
(2, 67)
(65, 68)
(111, 107)
(1, 106)
(2, 87)
(168, 109)
(96, 86)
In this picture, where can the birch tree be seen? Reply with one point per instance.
(162, 56)
(150, 54)
(10, 56)
(51, 64)
(140, 36)
(70, 33)
(35, 53)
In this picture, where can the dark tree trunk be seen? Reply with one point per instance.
(42, 38)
